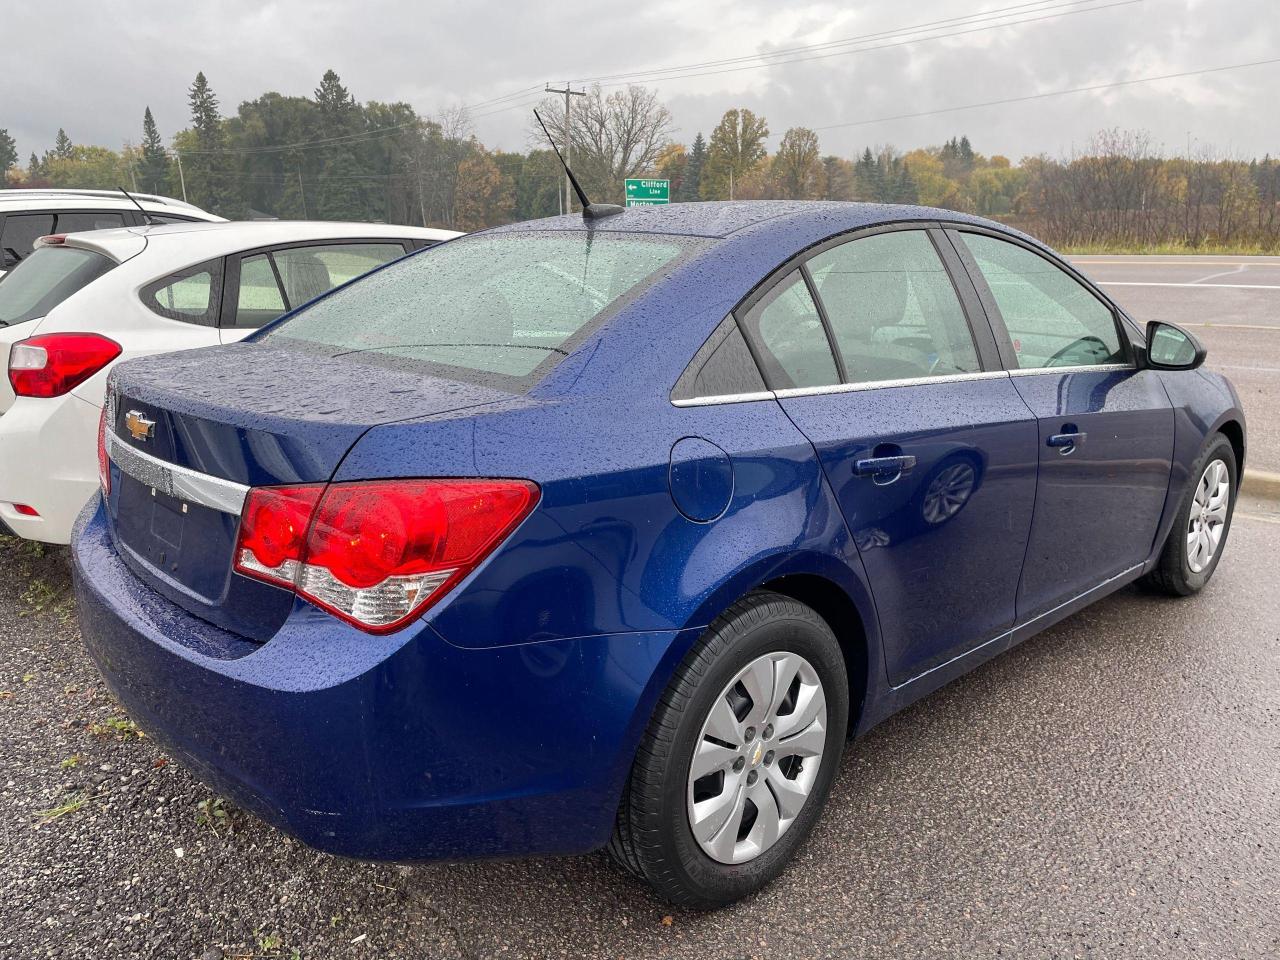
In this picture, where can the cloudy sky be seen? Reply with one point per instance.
(91, 69)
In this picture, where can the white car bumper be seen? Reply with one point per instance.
(49, 463)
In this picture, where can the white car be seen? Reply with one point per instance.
(82, 302)
(27, 215)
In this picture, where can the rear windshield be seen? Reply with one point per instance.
(495, 308)
(46, 278)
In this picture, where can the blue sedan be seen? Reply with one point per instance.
(612, 532)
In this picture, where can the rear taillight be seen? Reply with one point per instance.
(57, 363)
(377, 553)
(104, 462)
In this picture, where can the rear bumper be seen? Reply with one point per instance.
(397, 748)
(48, 461)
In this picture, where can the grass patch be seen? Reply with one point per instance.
(44, 572)
(77, 802)
(1174, 248)
(122, 728)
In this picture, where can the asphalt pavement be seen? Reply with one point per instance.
(1111, 788)
(1232, 304)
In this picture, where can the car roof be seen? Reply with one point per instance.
(724, 218)
(53, 198)
(189, 243)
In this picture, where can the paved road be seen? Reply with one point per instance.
(1110, 789)
(1233, 305)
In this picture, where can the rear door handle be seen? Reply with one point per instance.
(1066, 442)
(884, 467)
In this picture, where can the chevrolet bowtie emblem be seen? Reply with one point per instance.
(139, 427)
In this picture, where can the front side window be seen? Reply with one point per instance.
(893, 311)
(787, 327)
(505, 305)
(1052, 319)
(46, 278)
(192, 295)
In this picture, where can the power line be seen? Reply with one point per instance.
(521, 98)
(1044, 96)
(882, 46)
(978, 17)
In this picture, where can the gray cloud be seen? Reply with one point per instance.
(91, 69)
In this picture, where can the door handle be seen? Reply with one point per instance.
(1066, 442)
(881, 468)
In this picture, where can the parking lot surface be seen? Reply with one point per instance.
(1232, 304)
(1111, 788)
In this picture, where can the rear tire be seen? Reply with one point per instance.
(1199, 533)
(787, 652)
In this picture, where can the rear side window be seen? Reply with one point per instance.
(21, 231)
(892, 309)
(75, 222)
(46, 278)
(1052, 319)
(278, 281)
(792, 343)
(722, 367)
(259, 300)
(505, 307)
(192, 295)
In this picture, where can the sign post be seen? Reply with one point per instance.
(648, 193)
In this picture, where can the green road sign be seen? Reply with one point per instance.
(648, 193)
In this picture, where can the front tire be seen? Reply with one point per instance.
(739, 756)
(1199, 533)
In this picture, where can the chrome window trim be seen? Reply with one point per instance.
(887, 384)
(724, 398)
(791, 392)
(225, 496)
(1079, 368)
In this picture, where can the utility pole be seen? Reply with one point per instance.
(568, 92)
(181, 176)
(302, 193)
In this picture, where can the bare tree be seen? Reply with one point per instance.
(615, 136)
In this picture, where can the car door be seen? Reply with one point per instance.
(265, 284)
(887, 366)
(1106, 427)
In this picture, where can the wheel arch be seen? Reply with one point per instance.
(1233, 430)
(829, 586)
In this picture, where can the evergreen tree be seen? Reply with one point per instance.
(153, 169)
(904, 190)
(8, 153)
(693, 170)
(62, 146)
(868, 177)
(211, 180)
(34, 168)
(964, 151)
(341, 194)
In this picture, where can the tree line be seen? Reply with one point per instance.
(328, 156)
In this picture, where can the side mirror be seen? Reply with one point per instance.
(1169, 347)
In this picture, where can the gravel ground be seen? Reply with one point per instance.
(1108, 789)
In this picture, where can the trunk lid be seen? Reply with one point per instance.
(245, 415)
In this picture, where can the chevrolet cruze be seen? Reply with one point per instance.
(611, 532)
